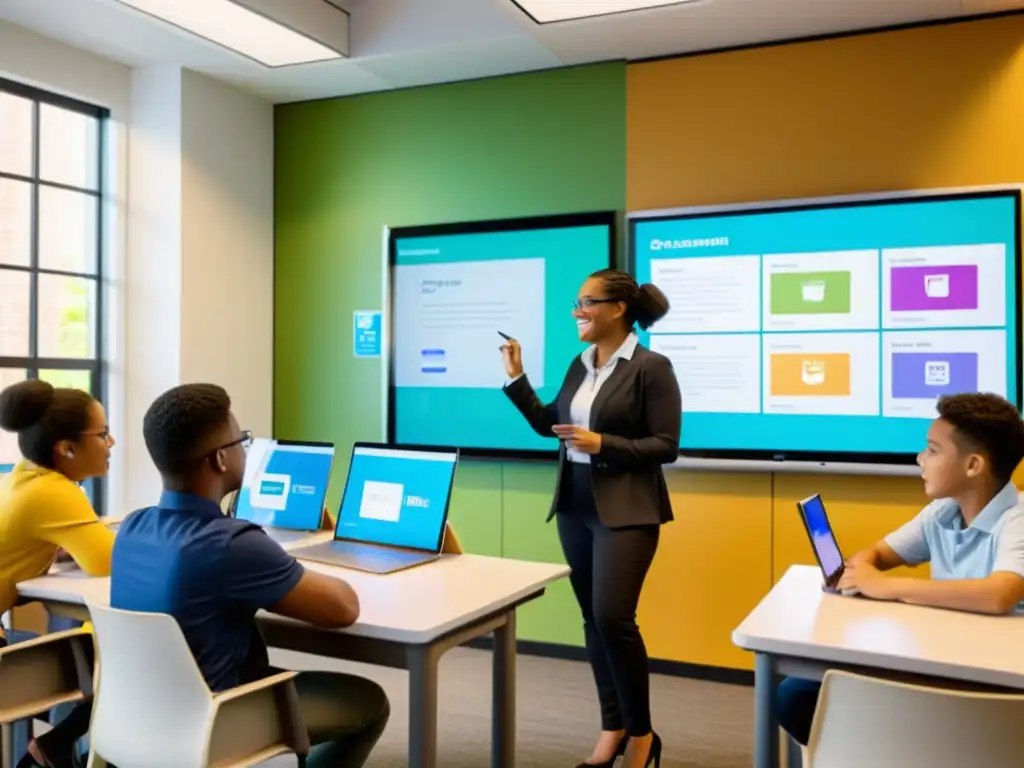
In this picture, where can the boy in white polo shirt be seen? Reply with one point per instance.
(972, 534)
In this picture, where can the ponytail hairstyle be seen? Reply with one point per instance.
(645, 304)
(42, 415)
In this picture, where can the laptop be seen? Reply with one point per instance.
(823, 541)
(393, 511)
(284, 487)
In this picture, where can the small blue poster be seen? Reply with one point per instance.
(366, 333)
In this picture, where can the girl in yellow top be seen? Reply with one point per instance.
(64, 440)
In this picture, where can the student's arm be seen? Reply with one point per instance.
(907, 545)
(64, 516)
(999, 592)
(320, 600)
(881, 556)
(260, 574)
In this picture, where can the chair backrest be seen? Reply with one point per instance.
(152, 704)
(867, 721)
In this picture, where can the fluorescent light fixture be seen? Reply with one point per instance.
(548, 11)
(242, 30)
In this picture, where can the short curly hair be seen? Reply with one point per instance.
(180, 424)
(988, 424)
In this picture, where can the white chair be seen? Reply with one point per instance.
(864, 721)
(39, 674)
(153, 708)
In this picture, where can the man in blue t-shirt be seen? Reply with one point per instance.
(212, 573)
(972, 534)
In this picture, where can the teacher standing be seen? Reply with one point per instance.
(618, 417)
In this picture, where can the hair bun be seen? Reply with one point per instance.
(652, 306)
(24, 404)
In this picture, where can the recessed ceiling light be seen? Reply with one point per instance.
(548, 11)
(242, 30)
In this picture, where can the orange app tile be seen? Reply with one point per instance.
(810, 375)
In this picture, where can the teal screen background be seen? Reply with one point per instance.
(874, 225)
(485, 419)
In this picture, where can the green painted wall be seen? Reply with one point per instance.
(541, 143)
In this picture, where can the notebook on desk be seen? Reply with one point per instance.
(284, 487)
(393, 510)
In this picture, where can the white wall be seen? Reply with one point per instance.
(153, 296)
(201, 253)
(228, 247)
(190, 256)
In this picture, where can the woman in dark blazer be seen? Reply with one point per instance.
(618, 417)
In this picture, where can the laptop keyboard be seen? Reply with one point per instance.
(372, 558)
(282, 536)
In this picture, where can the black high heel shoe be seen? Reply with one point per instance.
(654, 756)
(609, 763)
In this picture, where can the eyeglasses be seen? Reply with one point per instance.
(103, 434)
(245, 441)
(588, 302)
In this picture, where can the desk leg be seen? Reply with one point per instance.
(422, 663)
(503, 706)
(766, 720)
(7, 737)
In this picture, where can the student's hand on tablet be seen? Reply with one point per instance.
(865, 579)
(578, 438)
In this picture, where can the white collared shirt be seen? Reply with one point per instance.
(583, 400)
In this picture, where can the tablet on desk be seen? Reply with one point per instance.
(823, 541)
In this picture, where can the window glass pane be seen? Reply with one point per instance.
(67, 307)
(15, 134)
(9, 452)
(68, 147)
(70, 379)
(15, 221)
(67, 230)
(15, 294)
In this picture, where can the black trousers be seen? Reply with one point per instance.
(609, 566)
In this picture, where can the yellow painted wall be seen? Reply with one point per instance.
(914, 109)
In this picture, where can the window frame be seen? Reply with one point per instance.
(32, 363)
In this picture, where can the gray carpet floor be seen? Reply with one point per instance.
(702, 724)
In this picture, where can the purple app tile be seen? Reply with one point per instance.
(926, 375)
(917, 289)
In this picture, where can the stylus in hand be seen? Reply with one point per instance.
(505, 336)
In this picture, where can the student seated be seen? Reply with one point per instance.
(212, 573)
(972, 533)
(64, 440)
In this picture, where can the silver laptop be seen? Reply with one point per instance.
(284, 487)
(393, 511)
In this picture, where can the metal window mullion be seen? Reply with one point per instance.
(33, 301)
(98, 384)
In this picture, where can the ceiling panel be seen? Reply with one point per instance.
(463, 62)
(727, 23)
(387, 27)
(402, 43)
(304, 83)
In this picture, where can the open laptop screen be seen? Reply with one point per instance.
(820, 532)
(285, 484)
(397, 497)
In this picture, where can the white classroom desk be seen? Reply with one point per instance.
(798, 629)
(408, 620)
